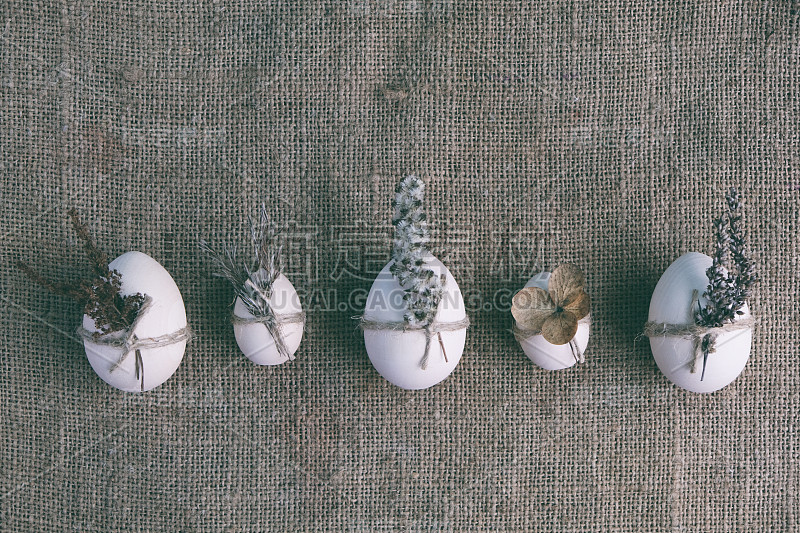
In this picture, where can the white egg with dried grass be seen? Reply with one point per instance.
(268, 318)
(134, 328)
(156, 341)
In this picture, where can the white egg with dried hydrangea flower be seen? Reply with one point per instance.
(414, 321)
(268, 319)
(551, 318)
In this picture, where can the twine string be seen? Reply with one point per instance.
(703, 338)
(273, 323)
(128, 342)
(522, 334)
(576, 351)
(430, 330)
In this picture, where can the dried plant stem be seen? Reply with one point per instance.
(97, 257)
(100, 298)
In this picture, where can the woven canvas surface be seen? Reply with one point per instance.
(603, 133)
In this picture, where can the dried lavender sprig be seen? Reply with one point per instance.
(745, 275)
(423, 289)
(727, 293)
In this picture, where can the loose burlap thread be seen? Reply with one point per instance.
(129, 342)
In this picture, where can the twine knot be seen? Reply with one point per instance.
(704, 339)
(128, 341)
(273, 323)
(522, 334)
(430, 330)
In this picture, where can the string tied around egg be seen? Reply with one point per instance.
(704, 338)
(434, 329)
(522, 334)
(273, 322)
(128, 341)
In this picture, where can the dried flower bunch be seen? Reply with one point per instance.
(100, 297)
(423, 289)
(252, 276)
(728, 291)
(554, 312)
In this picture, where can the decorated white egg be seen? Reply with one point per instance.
(552, 356)
(254, 339)
(674, 355)
(398, 355)
(161, 319)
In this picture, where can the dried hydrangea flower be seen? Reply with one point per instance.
(555, 312)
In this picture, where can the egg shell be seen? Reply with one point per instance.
(670, 304)
(255, 341)
(545, 354)
(396, 355)
(141, 273)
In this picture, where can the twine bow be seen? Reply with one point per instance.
(273, 323)
(128, 342)
(431, 330)
(703, 338)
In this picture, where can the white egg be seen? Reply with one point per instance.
(396, 355)
(670, 304)
(255, 341)
(552, 356)
(141, 273)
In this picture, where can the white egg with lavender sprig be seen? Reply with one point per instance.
(699, 323)
(415, 320)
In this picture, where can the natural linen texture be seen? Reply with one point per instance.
(599, 133)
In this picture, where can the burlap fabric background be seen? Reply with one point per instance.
(603, 133)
